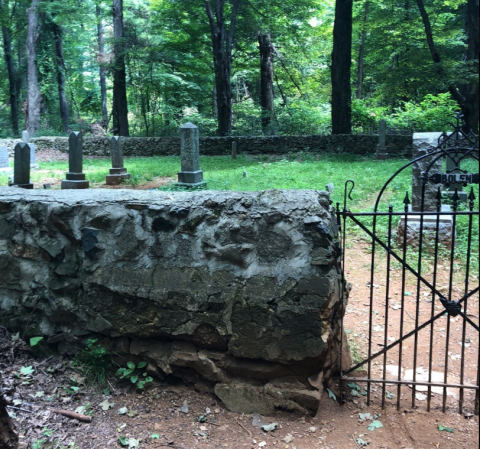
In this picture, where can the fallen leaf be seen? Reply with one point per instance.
(354, 386)
(374, 425)
(331, 394)
(132, 413)
(446, 429)
(122, 411)
(269, 427)
(155, 436)
(105, 405)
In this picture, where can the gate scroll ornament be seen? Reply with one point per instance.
(453, 148)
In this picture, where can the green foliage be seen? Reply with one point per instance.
(95, 362)
(35, 340)
(135, 374)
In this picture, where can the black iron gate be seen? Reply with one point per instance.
(434, 243)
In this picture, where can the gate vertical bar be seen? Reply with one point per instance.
(434, 285)
(471, 199)
(417, 305)
(387, 305)
(406, 202)
(450, 285)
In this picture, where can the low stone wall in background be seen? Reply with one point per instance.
(236, 293)
(397, 145)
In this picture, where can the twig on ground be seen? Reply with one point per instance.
(18, 408)
(409, 315)
(111, 385)
(243, 427)
(72, 415)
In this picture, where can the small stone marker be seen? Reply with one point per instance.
(382, 137)
(118, 173)
(4, 165)
(21, 173)
(75, 177)
(191, 175)
(234, 150)
(26, 139)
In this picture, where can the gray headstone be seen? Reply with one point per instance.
(190, 155)
(118, 173)
(422, 142)
(382, 139)
(382, 134)
(21, 173)
(4, 165)
(25, 136)
(75, 152)
(116, 151)
(75, 177)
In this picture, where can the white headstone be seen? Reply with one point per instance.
(25, 136)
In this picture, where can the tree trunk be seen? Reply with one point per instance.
(222, 59)
(266, 79)
(120, 105)
(62, 97)
(8, 437)
(101, 62)
(34, 98)
(341, 66)
(361, 54)
(8, 55)
(470, 91)
(469, 102)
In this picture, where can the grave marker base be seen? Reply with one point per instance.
(74, 184)
(24, 186)
(188, 185)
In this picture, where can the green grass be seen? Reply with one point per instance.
(265, 172)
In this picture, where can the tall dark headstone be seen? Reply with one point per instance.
(75, 177)
(21, 172)
(118, 173)
(191, 175)
(382, 139)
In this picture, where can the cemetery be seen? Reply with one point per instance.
(239, 224)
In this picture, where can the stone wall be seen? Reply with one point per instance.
(237, 293)
(397, 145)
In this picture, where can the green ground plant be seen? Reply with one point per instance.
(135, 373)
(95, 362)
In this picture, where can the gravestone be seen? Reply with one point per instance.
(234, 150)
(422, 143)
(191, 175)
(21, 173)
(382, 138)
(118, 173)
(4, 164)
(75, 177)
(26, 139)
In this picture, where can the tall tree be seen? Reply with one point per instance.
(222, 41)
(9, 62)
(266, 79)
(341, 66)
(101, 63)
(469, 101)
(62, 98)
(120, 105)
(34, 97)
(361, 53)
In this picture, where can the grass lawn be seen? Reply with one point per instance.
(262, 172)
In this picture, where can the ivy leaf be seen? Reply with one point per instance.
(35, 340)
(362, 442)
(142, 365)
(122, 411)
(374, 425)
(331, 394)
(134, 379)
(389, 395)
(131, 365)
(354, 393)
(26, 370)
(105, 405)
(354, 386)
(365, 416)
(123, 441)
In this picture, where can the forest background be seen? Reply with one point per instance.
(236, 67)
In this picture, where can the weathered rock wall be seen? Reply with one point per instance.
(234, 292)
(163, 146)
